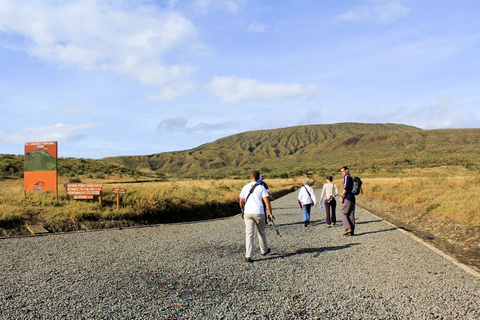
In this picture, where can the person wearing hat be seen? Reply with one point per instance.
(306, 198)
(265, 185)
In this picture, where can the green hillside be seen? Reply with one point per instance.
(318, 148)
(276, 148)
(12, 167)
(292, 151)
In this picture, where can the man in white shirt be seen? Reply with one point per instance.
(251, 205)
(306, 198)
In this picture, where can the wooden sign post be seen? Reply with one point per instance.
(84, 191)
(119, 191)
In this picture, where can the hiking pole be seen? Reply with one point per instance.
(276, 229)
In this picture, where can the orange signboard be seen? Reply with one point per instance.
(40, 166)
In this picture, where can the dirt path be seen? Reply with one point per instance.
(197, 271)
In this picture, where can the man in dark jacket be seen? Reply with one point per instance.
(348, 203)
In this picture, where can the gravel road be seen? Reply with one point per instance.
(197, 271)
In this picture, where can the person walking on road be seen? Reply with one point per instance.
(330, 191)
(251, 201)
(348, 203)
(263, 183)
(306, 198)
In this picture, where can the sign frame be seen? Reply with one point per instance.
(84, 191)
(118, 192)
(40, 167)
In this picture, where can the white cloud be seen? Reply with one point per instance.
(59, 132)
(441, 115)
(100, 35)
(205, 6)
(379, 13)
(235, 90)
(170, 92)
(257, 27)
(215, 127)
(180, 123)
(71, 110)
(177, 123)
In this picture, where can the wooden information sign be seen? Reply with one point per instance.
(119, 191)
(83, 196)
(84, 191)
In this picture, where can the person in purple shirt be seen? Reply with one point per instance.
(348, 203)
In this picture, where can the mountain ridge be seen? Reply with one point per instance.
(252, 147)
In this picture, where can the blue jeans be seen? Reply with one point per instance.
(306, 212)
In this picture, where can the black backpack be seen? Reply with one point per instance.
(357, 186)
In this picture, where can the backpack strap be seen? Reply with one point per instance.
(251, 191)
(308, 193)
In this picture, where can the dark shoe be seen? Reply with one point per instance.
(248, 260)
(306, 223)
(328, 226)
(266, 252)
(348, 231)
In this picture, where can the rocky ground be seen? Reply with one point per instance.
(459, 240)
(197, 271)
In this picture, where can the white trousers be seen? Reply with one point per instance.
(252, 220)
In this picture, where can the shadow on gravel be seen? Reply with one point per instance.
(315, 251)
(371, 232)
(290, 224)
(312, 223)
(366, 222)
(285, 208)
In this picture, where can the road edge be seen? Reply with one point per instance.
(444, 255)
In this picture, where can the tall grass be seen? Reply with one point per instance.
(143, 203)
(442, 192)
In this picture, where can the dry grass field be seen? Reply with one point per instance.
(443, 191)
(144, 203)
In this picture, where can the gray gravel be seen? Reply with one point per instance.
(197, 270)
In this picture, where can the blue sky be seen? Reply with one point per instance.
(109, 78)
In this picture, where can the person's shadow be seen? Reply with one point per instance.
(368, 221)
(378, 231)
(315, 251)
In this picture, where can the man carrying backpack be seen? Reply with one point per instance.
(348, 203)
(251, 201)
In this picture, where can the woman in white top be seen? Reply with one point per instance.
(330, 192)
(306, 198)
